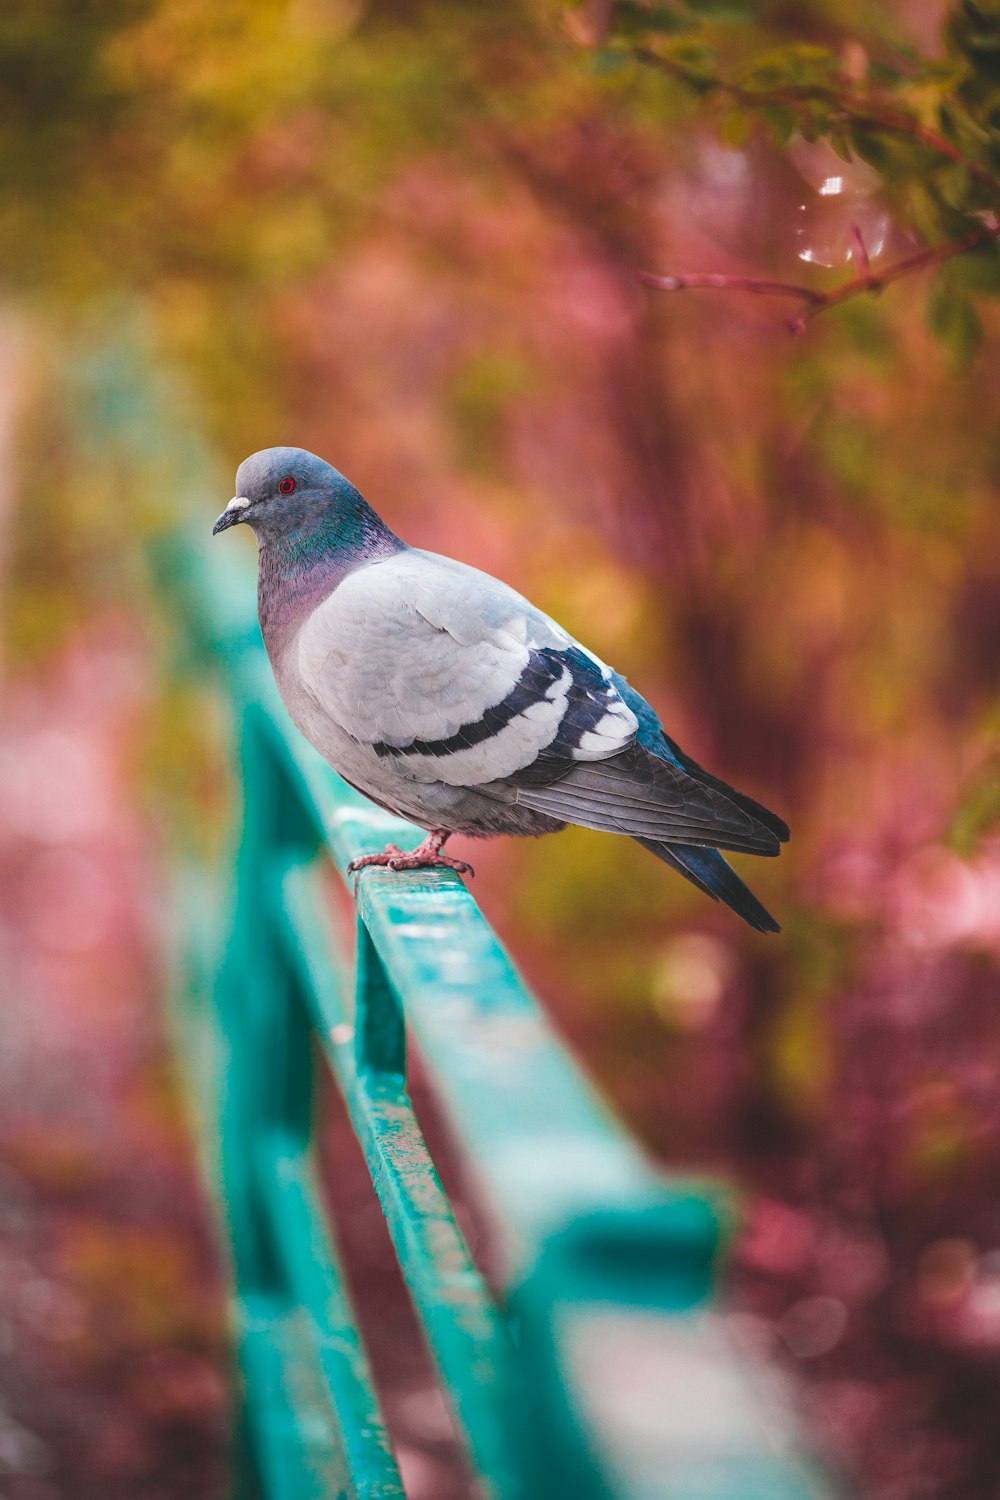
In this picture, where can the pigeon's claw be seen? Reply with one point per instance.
(421, 859)
(391, 851)
(426, 856)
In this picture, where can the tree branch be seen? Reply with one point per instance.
(814, 302)
(855, 108)
(721, 283)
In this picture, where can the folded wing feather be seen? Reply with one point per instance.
(451, 676)
(447, 675)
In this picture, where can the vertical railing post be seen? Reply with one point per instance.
(379, 1030)
(245, 1001)
(265, 1039)
(480, 1390)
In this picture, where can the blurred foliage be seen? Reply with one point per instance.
(929, 125)
(407, 236)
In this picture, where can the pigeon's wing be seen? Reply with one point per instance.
(649, 798)
(449, 675)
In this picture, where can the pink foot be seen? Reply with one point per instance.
(426, 856)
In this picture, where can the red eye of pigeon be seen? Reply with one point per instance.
(286, 485)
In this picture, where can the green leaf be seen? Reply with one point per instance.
(978, 270)
(840, 143)
(813, 120)
(725, 10)
(974, 31)
(954, 185)
(631, 19)
(697, 60)
(871, 147)
(977, 814)
(953, 320)
(608, 62)
(801, 66)
(780, 120)
(883, 73)
(735, 128)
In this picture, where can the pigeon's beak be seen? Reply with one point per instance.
(232, 515)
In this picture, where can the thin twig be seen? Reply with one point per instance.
(859, 253)
(730, 284)
(815, 302)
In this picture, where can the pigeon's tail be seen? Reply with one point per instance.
(707, 869)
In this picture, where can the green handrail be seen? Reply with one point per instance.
(600, 1368)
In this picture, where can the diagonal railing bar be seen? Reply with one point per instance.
(290, 1445)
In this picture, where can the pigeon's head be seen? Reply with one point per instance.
(281, 490)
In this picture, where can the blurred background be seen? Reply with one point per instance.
(406, 236)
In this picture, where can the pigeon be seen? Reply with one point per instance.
(448, 699)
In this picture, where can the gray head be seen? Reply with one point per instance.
(289, 496)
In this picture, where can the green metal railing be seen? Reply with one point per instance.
(601, 1368)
